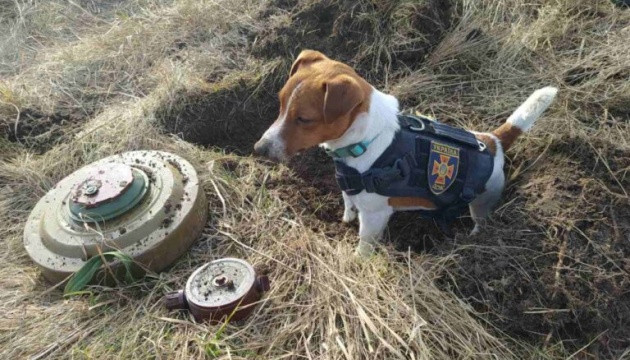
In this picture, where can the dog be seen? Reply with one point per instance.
(325, 102)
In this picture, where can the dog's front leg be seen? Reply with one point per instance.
(349, 210)
(371, 228)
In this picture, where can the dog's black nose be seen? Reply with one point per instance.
(262, 147)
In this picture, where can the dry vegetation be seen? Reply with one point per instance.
(549, 278)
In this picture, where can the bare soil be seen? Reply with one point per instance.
(39, 130)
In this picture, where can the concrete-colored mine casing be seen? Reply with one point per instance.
(155, 231)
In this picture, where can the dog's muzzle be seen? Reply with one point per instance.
(271, 149)
(262, 147)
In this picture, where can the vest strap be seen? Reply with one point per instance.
(374, 180)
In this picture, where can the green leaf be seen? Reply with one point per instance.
(83, 276)
(212, 350)
(78, 293)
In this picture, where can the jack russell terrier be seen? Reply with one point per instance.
(386, 161)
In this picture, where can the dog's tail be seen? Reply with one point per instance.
(524, 117)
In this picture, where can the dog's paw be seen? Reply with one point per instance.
(362, 254)
(349, 215)
(475, 231)
(364, 250)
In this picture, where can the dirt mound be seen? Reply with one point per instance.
(369, 35)
(555, 261)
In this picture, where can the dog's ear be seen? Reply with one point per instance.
(306, 57)
(343, 94)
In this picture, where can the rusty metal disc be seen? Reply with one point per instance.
(220, 282)
(147, 204)
(107, 192)
(102, 183)
(222, 289)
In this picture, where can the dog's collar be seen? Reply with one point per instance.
(353, 150)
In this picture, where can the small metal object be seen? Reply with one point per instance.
(147, 204)
(482, 145)
(219, 289)
(91, 187)
(416, 128)
(223, 281)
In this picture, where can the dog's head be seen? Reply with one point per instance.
(318, 103)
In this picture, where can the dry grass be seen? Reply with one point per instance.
(549, 278)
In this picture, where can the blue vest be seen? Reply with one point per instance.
(426, 159)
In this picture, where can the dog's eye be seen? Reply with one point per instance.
(303, 121)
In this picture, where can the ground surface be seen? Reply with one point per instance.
(548, 278)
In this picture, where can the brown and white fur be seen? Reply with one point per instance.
(326, 103)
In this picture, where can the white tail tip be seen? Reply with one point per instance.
(529, 111)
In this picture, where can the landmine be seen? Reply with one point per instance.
(147, 204)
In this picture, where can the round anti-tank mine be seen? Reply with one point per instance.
(146, 204)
